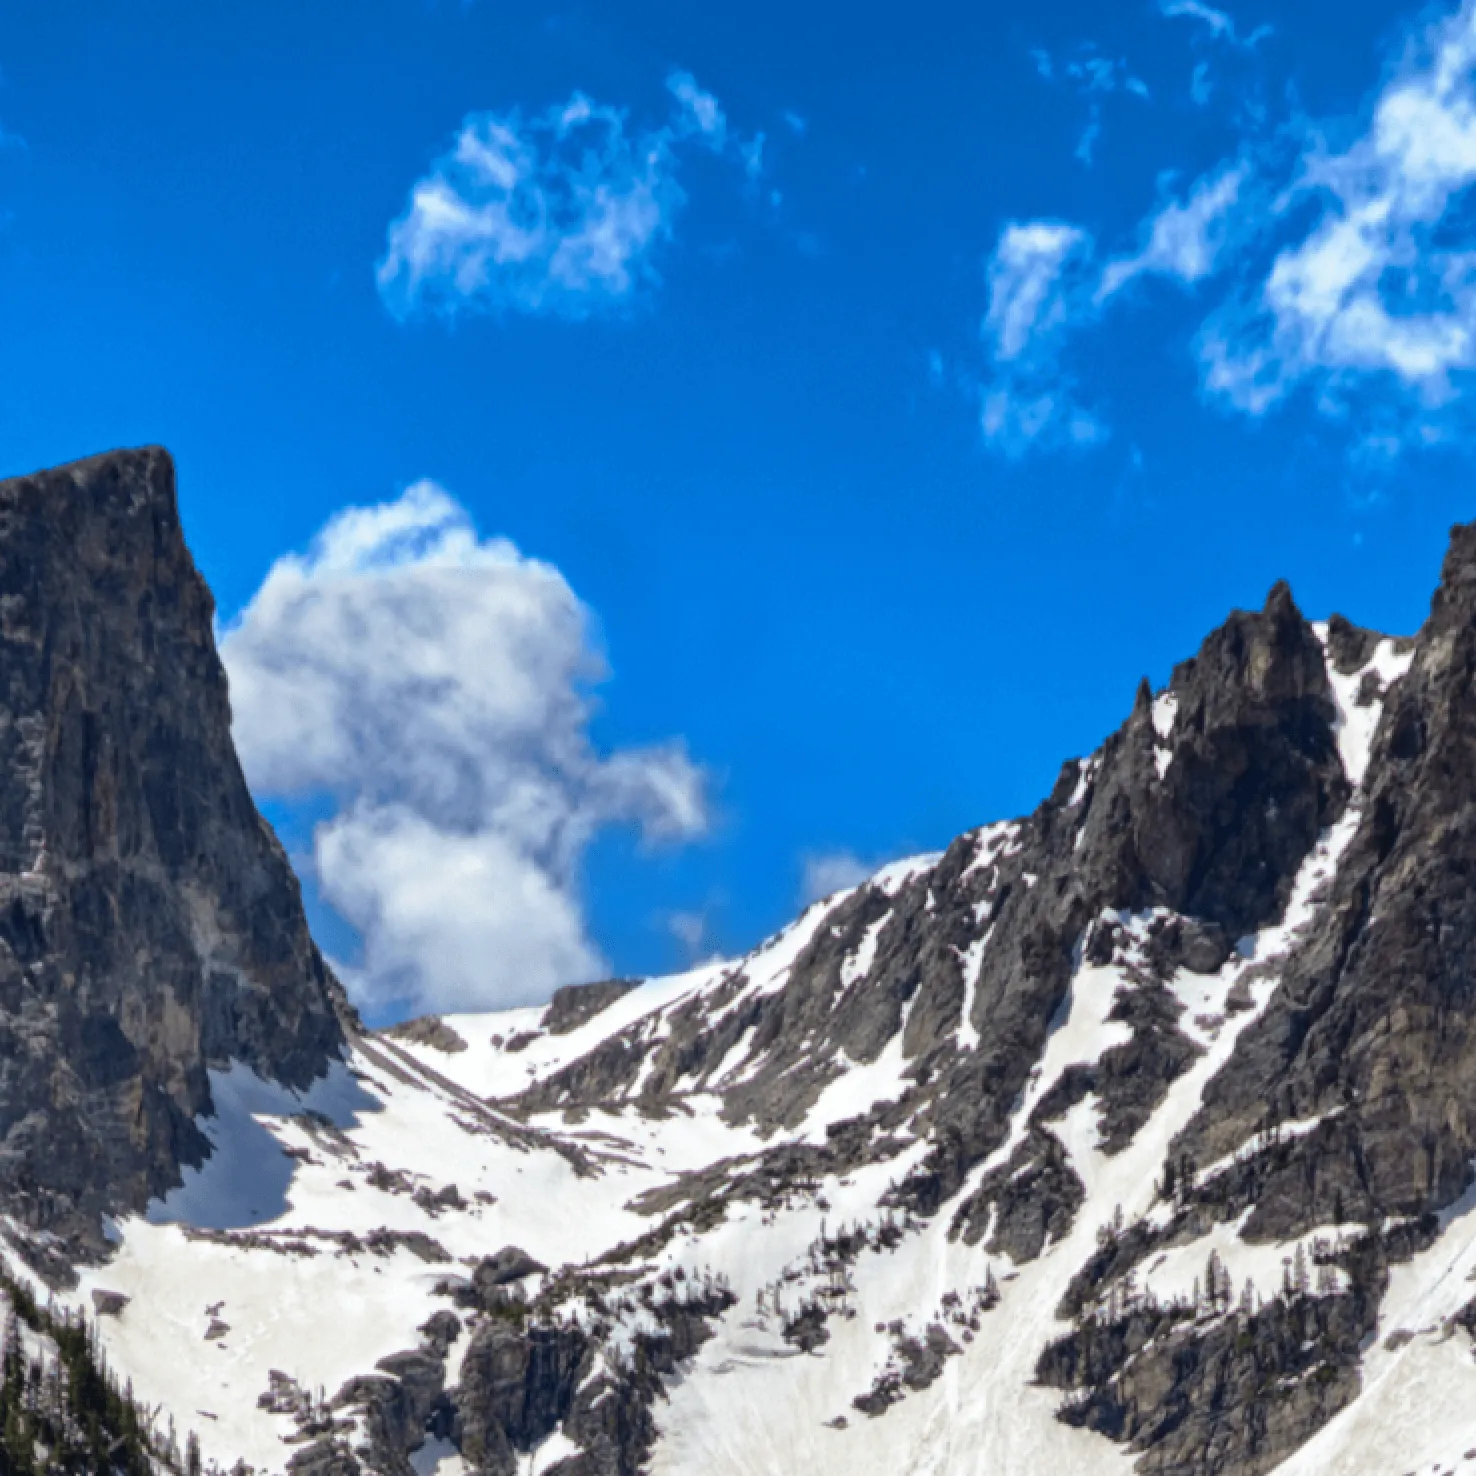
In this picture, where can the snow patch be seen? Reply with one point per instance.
(246, 1179)
(1356, 725)
(971, 963)
(1165, 711)
(857, 963)
(891, 879)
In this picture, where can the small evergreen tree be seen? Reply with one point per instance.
(1301, 1279)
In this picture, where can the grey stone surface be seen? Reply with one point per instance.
(150, 925)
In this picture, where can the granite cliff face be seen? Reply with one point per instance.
(150, 925)
(1374, 1028)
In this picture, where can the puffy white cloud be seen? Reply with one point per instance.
(1038, 292)
(451, 921)
(561, 212)
(435, 686)
(1377, 284)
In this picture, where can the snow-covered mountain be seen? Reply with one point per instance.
(1133, 1134)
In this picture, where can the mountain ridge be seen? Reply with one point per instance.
(1133, 1133)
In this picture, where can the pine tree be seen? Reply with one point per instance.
(1218, 1288)
(1301, 1281)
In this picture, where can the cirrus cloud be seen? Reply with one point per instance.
(1036, 279)
(1342, 272)
(1378, 288)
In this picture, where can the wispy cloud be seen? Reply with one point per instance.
(1038, 294)
(827, 872)
(432, 687)
(1092, 76)
(699, 112)
(1185, 238)
(692, 933)
(1216, 32)
(1218, 25)
(1346, 273)
(1377, 282)
(561, 212)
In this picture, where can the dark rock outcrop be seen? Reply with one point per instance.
(396, 1404)
(517, 1387)
(1236, 1395)
(1250, 775)
(1374, 1024)
(577, 1004)
(1206, 816)
(1350, 646)
(428, 1030)
(150, 925)
(1030, 1200)
(510, 1264)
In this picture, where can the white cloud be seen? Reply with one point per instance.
(825, 872)
(1216, 21)
(1037, 294)
(563, 212)
(1184, 239)
(1377, 285)
(1027, 298)
(1218, 24)
(1344, 271)
(434, 686)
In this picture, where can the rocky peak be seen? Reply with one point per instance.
(150, 925)
(1211, 794)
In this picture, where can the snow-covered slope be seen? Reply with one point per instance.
(972, 1168)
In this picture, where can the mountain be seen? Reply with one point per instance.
(1133, 1134)
(150, 925)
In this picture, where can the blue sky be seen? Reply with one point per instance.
(793, 429)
